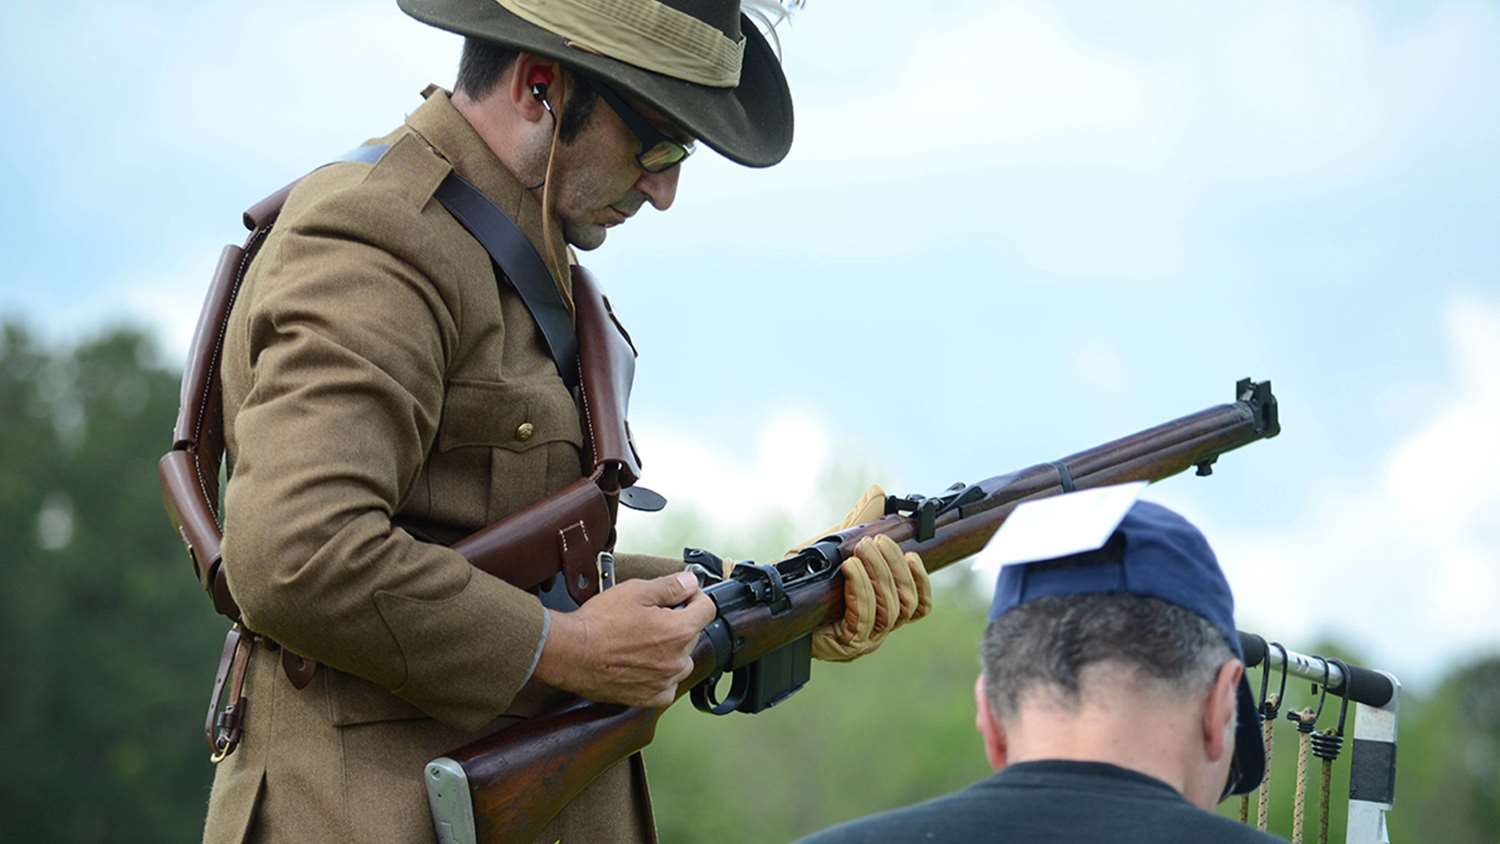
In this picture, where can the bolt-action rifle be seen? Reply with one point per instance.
(507, 786)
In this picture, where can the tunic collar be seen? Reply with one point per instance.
(449, 134)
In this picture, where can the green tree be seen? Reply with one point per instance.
(1448, 761)
(109, 642)
(110, 647)
(884, 731)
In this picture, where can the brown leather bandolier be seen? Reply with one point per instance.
(571, 532)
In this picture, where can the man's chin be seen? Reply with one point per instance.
(585, 237)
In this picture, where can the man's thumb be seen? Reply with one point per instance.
(672, 589)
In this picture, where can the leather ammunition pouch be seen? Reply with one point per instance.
(563, 533)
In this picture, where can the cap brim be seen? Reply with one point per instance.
(1248, 767)
(750, 124)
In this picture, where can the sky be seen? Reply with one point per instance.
(1006, 232)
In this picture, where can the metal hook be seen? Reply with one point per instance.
(1344, 697)
(1306, 719)
(1267, 709)
(1265, 681)
(1323, 696)
(1326, 744)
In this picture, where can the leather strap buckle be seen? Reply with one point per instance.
(605, 563)
(223, 728)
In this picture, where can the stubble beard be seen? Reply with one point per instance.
(584, 237)
(582, 192)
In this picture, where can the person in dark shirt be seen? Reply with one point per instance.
(1113, 704)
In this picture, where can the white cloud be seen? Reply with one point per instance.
(1005, 85)
(1401, 559)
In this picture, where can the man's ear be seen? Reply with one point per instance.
(990, 728)
(529, 71)
(1219, 709)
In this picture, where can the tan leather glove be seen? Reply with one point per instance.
(883, 588)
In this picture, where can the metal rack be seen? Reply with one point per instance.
(1376, 696)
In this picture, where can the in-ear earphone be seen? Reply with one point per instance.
(540, 78)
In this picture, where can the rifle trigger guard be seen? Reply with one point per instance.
(705, 696)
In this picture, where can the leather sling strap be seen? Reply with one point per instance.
(580, 519)
(515, 259)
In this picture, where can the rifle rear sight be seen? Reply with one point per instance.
(924, 511)
(775, 676)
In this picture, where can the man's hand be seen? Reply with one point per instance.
(631, 644)
(883, 589)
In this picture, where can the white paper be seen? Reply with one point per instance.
(1047, 528)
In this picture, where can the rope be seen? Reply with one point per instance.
(1326, 746)
(1267, 732)
(1323, 801)
(1304, 719)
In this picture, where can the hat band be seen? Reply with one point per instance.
(645, 33)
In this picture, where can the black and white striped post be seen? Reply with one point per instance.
(1376, 696)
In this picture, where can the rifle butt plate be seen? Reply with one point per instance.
(452, 805)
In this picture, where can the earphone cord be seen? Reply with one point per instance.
(547, 235)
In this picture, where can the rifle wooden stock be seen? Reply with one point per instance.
(521, 778)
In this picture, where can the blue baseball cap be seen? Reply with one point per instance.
(1157, 554)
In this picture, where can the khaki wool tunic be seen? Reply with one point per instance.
(375, 380)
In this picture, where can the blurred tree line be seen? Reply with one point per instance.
(109, 649)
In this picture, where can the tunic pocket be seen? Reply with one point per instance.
(529, 433)
(355, 700)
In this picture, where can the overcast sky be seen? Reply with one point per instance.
(1007, 231)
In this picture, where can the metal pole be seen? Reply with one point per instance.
(1307, 667)
(1372, 769)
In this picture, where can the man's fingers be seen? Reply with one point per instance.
(685, 672)
(859, 602)
(923, 582)
(698, 611)
(901, 573)
(669, 590)
(888, 603)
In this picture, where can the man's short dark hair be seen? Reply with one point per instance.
(482, 63)
(1042, 646)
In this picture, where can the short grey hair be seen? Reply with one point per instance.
(1044, 645)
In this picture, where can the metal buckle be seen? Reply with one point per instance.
(224, 727)
(605, 565)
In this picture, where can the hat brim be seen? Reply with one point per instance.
(1248, 767)
(750, 124)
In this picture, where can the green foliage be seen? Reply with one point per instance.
(1448, 761)
(110, 648)
(108, 642)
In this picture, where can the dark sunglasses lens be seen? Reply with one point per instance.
(664, 155)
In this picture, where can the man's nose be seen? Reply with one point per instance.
(660, 188)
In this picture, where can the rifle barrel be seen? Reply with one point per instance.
(522, 777)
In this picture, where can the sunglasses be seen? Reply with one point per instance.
(659, 151)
